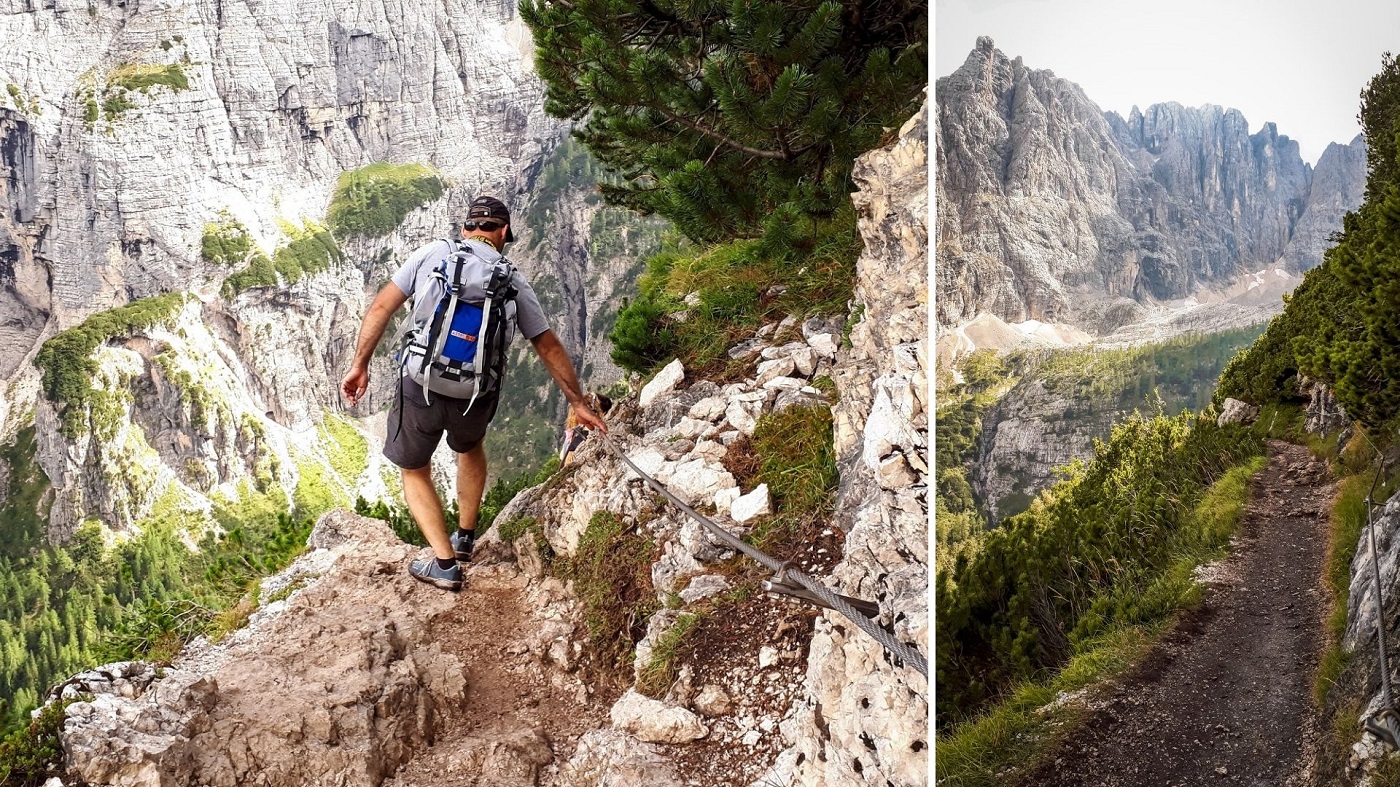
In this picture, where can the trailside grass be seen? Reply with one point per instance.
(1011, 733)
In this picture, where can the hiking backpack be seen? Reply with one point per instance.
(462, 322)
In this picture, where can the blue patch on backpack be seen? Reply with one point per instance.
(462, 335)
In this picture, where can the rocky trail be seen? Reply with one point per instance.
(1226, 698)
(515, 720)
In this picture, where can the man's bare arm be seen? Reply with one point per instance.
(561, 368)
(388, 301)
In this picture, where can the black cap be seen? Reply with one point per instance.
(491, 208)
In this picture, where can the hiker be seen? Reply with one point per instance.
(455, 389)
(575, 433)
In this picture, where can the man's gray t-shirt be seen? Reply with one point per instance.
(414, 273)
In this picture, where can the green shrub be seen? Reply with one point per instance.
(310, 250)
(33, 755)
(226, 243)
(1136, 517)
(258, 273)
(373, 201)
(66, 358)
(803, 267)
(155, 630)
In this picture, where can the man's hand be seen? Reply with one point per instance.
(587, 417)
(561, 368)
(355, 384)
(356, 381)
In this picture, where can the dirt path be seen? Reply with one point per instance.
(1227, 698)
(517, 726)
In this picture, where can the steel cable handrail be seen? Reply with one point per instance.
(904, 652)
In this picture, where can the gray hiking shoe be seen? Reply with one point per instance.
(463, 546)
(427, 570)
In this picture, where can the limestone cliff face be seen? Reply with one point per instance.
(1027, 434)
(1051, 209)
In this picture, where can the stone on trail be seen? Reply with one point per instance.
(753, 504)
(654, 721)
(663, 383)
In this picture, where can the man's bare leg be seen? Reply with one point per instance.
(426, 507)
(471, 483)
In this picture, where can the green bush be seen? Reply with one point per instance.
(226, 242)
(373, 201)
(802, 267)
(31, 756)
(1017, 609)
(66, 358)
(310, 250)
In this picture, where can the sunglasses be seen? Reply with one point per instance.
(485, 226)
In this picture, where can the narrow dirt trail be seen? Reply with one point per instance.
(517, 726)
(1227, 697)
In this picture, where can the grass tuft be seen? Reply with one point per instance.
(797, 460)
(611, 573)
(658, 675)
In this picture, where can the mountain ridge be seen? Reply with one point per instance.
(1052, 209)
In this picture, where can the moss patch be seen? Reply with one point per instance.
(66, 358)
(373, 201)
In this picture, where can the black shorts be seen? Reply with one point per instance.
(412, 446)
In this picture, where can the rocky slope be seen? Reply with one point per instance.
(774, 693)
(1053, 210)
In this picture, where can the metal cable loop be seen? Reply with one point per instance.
(900, 650)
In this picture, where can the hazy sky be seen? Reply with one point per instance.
(1299, 63)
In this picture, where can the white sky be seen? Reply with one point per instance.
(1299, 63)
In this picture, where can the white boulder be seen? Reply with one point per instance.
(1236, 412)
(663, 383)
(655, 722)
(753, 504)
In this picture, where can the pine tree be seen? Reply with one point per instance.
(713, 113)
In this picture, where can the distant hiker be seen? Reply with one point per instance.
(467, 301)
(575, 433)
